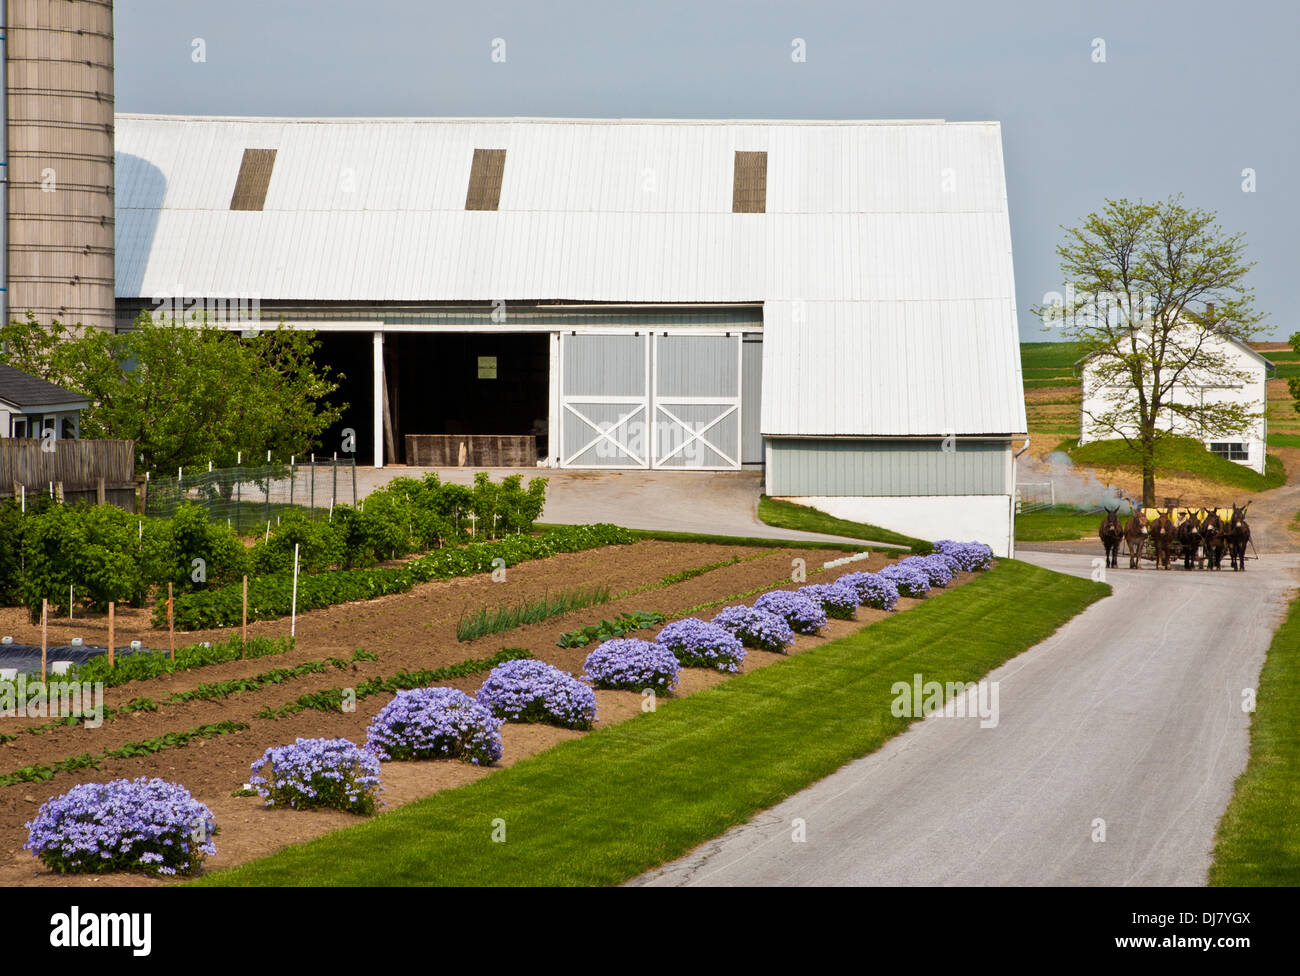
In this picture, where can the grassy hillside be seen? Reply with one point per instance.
(1187, 456)
(1049, 364)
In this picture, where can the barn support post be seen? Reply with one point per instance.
(377, 428)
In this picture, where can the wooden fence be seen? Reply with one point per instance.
(81, 470)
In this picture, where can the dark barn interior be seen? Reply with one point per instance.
(454, 383)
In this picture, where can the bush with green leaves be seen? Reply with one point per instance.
(99, 551)
(194, 536)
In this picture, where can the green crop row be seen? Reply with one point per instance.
(483, 622)
(39, 772)
(607, 629)
(270, 597)
(332, 699)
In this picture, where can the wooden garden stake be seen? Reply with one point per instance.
(293, 619)
(111, 607)
(244, 627)
(171, 629)
(45, 606)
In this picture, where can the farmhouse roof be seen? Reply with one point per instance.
(1269, 365)
(882, 253)
(22, 391)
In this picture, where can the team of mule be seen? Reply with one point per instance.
(1199, 537)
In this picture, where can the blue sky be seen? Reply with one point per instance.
(1190, 93)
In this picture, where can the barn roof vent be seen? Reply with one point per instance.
(485, 179)
(254, 178)
(749, 187)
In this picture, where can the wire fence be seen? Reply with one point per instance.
(1033, 496)
(247, 498)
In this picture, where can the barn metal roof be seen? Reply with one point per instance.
(883, 258)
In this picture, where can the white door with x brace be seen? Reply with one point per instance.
(604, 400)
(695, 401)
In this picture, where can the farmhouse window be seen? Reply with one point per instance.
(487, 367)
(20, 427)
(253, 180)
(485, 175)
(1231, 450)
(749, 183)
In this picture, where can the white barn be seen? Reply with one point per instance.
(1247, 388)
(830, 301)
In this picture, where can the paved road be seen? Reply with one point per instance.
(1131, 713)
(720, 502)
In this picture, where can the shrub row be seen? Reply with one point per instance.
(270, 597)
(105, 554)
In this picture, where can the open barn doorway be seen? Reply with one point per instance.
(469, 398)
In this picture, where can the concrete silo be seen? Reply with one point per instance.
(58, 136)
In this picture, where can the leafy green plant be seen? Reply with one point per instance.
(622, 625)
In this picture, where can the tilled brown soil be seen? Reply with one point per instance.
(412, 630)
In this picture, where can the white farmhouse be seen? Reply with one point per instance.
(1247, 448)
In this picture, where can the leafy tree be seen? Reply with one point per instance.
(1150, 288)
(186, 394)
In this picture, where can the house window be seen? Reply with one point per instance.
(20, 427)
(1232, 450)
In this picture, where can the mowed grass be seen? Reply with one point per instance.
(805, 518)
(607, 807)
(1258, 840)
(1057, 523)
(1183, 454)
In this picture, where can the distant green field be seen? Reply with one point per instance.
(1057, 523)
(1054, 355)
(1186, 455)
(1281, 355)
(1284, 440)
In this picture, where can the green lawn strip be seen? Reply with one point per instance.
(1057, 523)
(1185, 455)
(1258, 840)
(1284, 440)
(703, 538)
(789, 515)
(606, 807)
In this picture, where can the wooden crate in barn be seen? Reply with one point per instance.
(472, 450)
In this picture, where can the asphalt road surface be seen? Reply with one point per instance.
(1130, 714)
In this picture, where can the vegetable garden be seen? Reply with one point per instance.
(381, 699)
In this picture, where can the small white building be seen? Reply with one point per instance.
(1248, 389)
(31, 407)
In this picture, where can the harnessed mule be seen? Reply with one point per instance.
(1135, 534)
(1189, 538)
(1111, 534)
(1238, 535)
(1162, 535)
(1213, 540)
